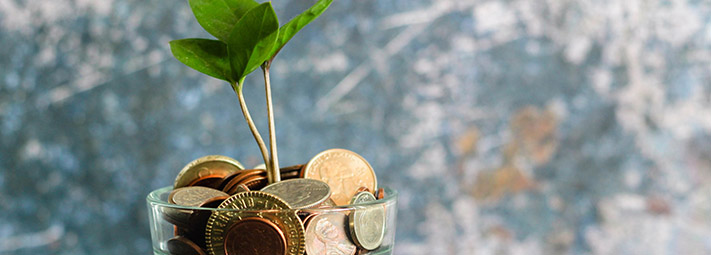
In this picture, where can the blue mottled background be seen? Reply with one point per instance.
(509, 126)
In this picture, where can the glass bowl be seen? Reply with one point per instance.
(327, 230)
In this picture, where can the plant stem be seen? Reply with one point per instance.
(273, 174)
(262, 147)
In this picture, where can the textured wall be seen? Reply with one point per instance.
(509, 126)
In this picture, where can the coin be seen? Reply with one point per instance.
(254, 204)
(180, 245)
(367, 223)
(361, 189)
(227, 179)
(254, 236)
(255, 182)
(291, 175)
(240, 178)
(260, 166)
(328, 203)
(241, 188)
(381, 193)
(344, 171)
(198, 220)
(212, 166)
(177, 217)
(326, 235)
(210, 181)
(292, 169)
(193, 196)
(300, 193)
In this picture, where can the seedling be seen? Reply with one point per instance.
(248, 37)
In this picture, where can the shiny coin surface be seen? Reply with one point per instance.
(300, 193)
(326, 235)
(255, 236)
(254, 182)
(253, 204)
(344, 171)
(210, 167)
(239, 179)
(367, 224)
(193, 196)
(181, 245)
(227, 179)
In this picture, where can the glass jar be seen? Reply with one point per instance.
(326, 230)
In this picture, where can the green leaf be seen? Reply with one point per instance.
(290, 29)
(218, 17)
(252, 39)
(207, 56)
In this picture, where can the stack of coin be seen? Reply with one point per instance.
(289, 217)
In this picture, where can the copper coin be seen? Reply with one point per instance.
(381, 193)
(177, 231)
(255, 182)
(294, 168)
(227, 179)
(213, 165)
(326, 234)
(306, 217)
(290, 175)
(255, 236)
(239, 178)
(344, 171)
(181, 245)
(210, 181)
(240, 188)
(361, 189)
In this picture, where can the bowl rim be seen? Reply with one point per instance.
(154, 199)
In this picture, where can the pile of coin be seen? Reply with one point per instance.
(286, 217)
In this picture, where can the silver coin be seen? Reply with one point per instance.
(367, 222)
(300, 193)
(326, 235)
(193, 196)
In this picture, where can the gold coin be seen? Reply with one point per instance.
(212, 166)
(344, 171)
(252, 204)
